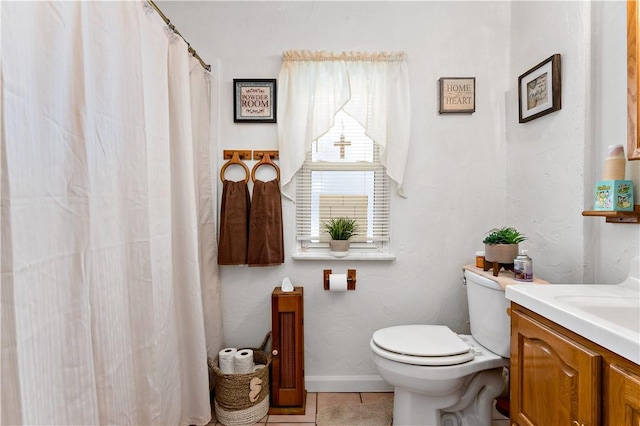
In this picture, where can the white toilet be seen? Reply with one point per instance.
(440, 377)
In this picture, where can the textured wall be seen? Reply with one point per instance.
(546, 156)
(554, 161)
(608, 246)
(464, 176)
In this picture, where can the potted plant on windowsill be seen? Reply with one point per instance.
(340, 229)
(501, 244)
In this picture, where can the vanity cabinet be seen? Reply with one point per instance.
(561, 378)
(623, 404)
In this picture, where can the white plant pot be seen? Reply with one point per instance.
(339, 248)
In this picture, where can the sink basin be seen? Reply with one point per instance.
(607, 314)
(621, 311)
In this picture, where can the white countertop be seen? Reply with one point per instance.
(606, 314)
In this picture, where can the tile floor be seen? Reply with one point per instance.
(318, 401)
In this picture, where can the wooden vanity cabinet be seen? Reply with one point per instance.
(623, 403)
(554, 380)
(560, 378)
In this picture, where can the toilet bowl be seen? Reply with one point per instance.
(440, 377)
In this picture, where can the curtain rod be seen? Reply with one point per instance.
(192, 51)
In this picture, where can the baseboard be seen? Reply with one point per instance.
(373, 383)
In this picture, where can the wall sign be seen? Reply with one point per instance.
(457, 95)
(254, 100)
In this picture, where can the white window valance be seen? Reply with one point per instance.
(373, 88)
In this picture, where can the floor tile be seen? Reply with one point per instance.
(374, 396)
(318, 401)
(331, 399)
(291, 424)
(309, 415)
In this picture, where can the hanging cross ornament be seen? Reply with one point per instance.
(342, 144)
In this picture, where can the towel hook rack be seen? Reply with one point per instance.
(265, 158)
(236, 157)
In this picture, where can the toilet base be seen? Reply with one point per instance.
(470, 405)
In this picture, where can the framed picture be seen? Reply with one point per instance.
(540, 89)
(457, 95)
(254, 100)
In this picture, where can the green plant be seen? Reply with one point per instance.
(341, 228)
(504, 235)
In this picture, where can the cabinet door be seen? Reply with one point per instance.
(554, 380)
(287, 334)
(623, 400)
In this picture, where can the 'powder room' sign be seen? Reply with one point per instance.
(254, 100)
(457, 95)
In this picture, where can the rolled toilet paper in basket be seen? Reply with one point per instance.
(227, 360)
(243, 361)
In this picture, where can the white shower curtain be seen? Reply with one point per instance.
(110, 293)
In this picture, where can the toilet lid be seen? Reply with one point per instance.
(420, 340)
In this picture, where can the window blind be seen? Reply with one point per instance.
(342, 176)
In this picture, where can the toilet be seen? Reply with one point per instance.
(440, 377)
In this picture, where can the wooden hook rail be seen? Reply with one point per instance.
(259, 155)
(243, 154)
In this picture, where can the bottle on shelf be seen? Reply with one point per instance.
(523, 267)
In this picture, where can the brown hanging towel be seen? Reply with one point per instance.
(234, 223)
(266, 242)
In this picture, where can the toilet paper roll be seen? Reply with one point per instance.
(258, 367)
(243, 361)
(337, 282)
(226, 360)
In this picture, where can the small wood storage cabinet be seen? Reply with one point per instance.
(288, 393)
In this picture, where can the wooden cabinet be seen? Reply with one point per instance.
(560, 378)
(554, 380)
(623, 405)
(287, 364)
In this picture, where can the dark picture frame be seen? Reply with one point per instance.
(457, 95)
(254, 100)
(540, 89)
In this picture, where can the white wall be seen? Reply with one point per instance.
(464, 175)
(546, 156)
(613, 245)
(554, 161)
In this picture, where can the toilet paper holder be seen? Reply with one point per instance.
(351, 279)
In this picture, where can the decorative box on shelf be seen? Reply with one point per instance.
(613, 195)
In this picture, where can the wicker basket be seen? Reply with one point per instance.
(242, 399)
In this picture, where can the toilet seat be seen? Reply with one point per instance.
(427, 345)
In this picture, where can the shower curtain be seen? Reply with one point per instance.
(110, 297)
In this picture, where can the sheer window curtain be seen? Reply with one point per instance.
(110, 293)
(371, 87)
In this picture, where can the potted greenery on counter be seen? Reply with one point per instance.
(501, 244)
(340, 229)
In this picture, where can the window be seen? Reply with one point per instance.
(338, 169)
(342, 176)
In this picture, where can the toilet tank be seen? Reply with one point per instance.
(490, 324)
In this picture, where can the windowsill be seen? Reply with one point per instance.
(350, 256)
